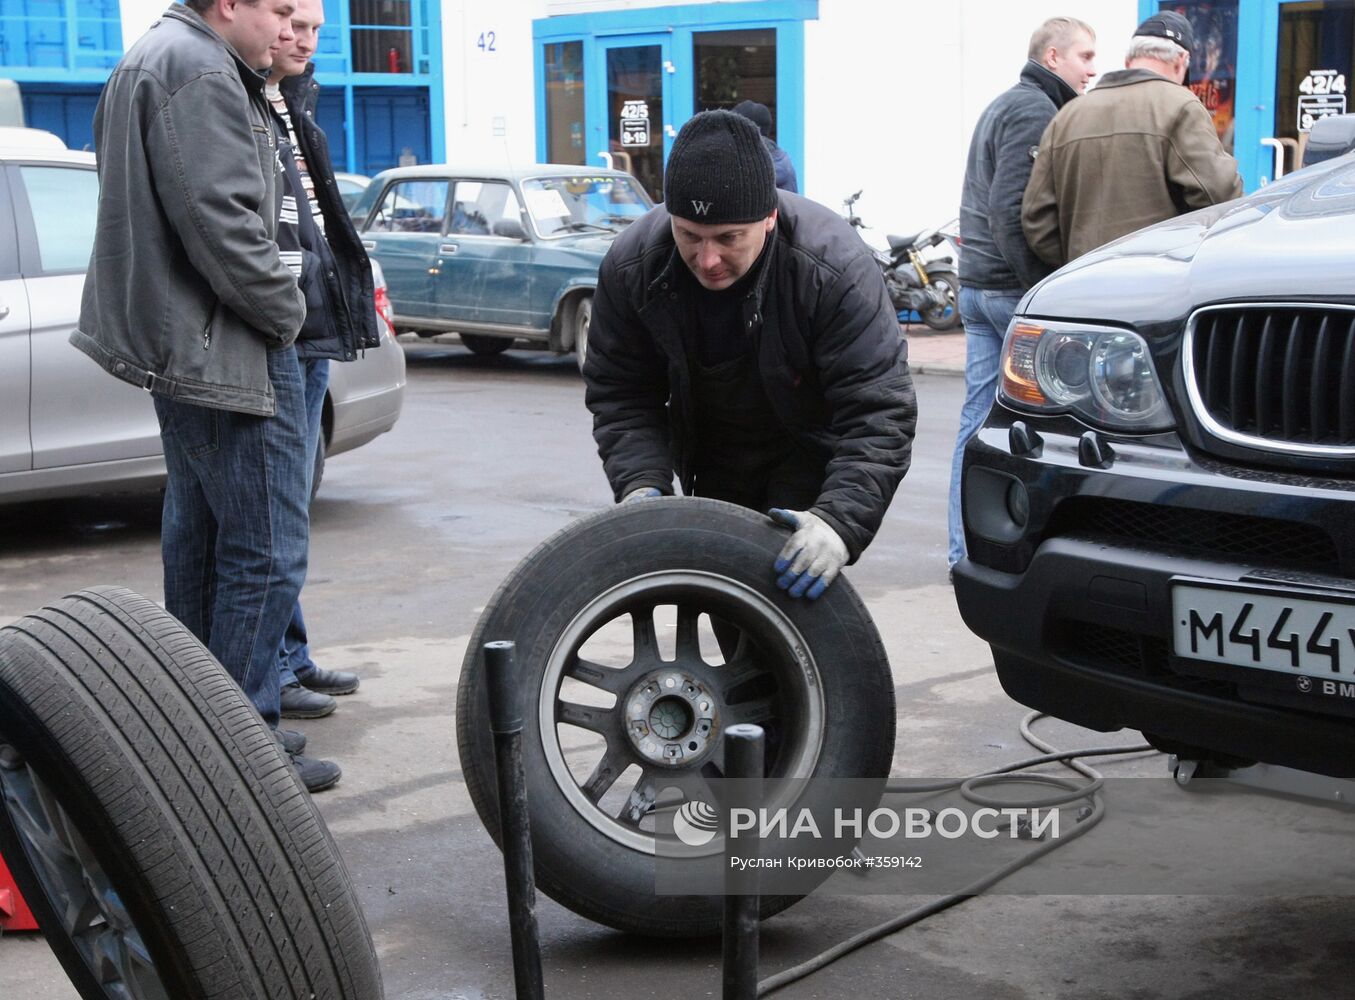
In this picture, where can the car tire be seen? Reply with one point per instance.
(318, 471)
(484, 345)
(582, 319)
(154, 825)
(708, 555)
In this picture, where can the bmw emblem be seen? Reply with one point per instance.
(1305, 684)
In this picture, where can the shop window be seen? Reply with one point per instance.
(1314, 69)
(389, 36)
(564, 103)
(734, 66)
(1213, 60)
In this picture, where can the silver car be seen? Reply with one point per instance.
(68, 428)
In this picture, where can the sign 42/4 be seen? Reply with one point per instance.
(1323, 81)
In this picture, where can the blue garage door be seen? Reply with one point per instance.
(391, 122)
(67, 111)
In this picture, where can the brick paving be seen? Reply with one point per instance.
(934, 353)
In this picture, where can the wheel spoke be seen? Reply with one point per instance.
(605, 775)
(646, 642)
(88, 908)
(640, 800)
(758, 710)
(598, 720)
(688, 633)
(739, 673)
(596, 675)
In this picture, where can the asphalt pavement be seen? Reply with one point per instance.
(412, 534)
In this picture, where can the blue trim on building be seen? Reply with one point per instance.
(437, 90)
(699, 16)
(674, 27)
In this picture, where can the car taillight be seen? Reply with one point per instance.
(384, 310)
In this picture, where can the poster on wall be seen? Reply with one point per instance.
(1213, 60)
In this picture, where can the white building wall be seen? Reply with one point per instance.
(137, 16)
(893, 91)
(490, 96)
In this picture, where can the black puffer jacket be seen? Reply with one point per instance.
(353, 328)
(995, 253)
(827, 342)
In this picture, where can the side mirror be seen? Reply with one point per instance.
(510, 228)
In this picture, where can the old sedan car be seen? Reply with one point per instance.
(497, 255)
(67, 428)
(1160, 509)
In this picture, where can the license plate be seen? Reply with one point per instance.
(1279, 630)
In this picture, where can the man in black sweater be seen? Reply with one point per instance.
(743, 339)
(997, 266)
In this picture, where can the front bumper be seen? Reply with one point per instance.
(1076, 603)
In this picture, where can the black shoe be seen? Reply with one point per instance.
(292, 741)
(298, 703)
(329, 681)
(316, 775)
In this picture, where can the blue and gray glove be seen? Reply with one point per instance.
(813, 557)
(643, 493)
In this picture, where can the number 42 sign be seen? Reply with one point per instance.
(1322, 93)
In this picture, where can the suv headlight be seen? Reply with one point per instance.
(1103, 375)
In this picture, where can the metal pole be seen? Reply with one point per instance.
(515, 836)
(743, 763)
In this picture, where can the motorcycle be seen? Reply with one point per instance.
(931, 287)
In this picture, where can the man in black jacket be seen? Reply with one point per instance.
(743, 338)
(997, 266)
(318, 241)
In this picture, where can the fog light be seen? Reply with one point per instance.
(1018, 503)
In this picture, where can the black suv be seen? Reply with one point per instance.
(1160, 509)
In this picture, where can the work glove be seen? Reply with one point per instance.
(643, 493)
(813, 557)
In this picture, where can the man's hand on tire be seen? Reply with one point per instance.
(643, 493)
(813, 557)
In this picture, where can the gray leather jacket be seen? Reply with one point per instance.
(185, 291)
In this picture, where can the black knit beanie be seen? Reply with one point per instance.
(759, 114)
(719, 171)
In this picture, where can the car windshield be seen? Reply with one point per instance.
(583, 203)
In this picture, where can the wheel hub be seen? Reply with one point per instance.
(671, 718)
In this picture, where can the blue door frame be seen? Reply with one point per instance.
(1258, 39)
(678, 25)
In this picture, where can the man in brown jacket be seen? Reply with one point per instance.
(1136, 150)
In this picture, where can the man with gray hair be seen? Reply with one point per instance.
(1138, 149)
(997, 265)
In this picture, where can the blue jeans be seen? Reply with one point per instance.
(986, 314)
(234, 528)
(294, 655)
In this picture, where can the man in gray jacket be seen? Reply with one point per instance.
(187, 297)
(996, 265)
